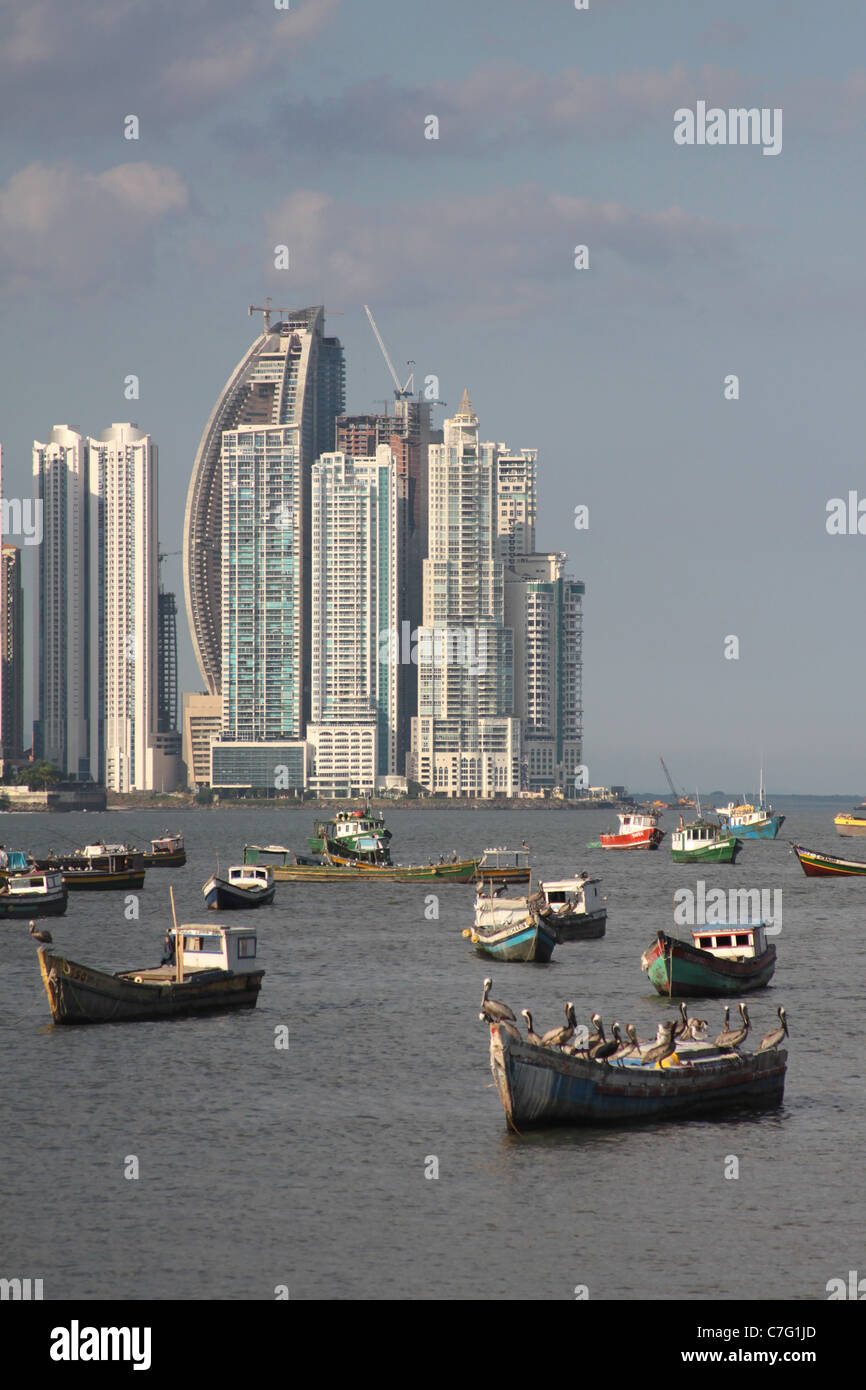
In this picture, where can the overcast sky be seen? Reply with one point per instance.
(707, 516)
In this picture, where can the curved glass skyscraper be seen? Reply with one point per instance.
(291, 376)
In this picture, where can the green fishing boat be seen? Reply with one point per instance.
(360, 835)
(289, 867)
(703, 842)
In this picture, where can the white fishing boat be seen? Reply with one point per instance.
(247, 885)
(573, 907)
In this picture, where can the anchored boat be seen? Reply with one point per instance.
(529, 939)
(35, 894)
(637, 830)
(165, 853)
(501, 865)
(722, 959)
(702, 841)
(541, 1086)
(360, 835)
(247, 885)
(289, 867)
(571, 908)
(98, 866)
(208, 968)
(815, 864)
(851, 823)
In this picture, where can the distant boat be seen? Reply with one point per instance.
(360, 835)
(543, 1086)
(701, 841)
(572, 908)
(246, 886)
(289, 867)
(851, 823)
(637, 830)
(211, 968)
(35, 894)
(818, 865)
(501, 865)
(165, 853)
(98, 866)
(527, 940)
(750, 822)
(724, 959)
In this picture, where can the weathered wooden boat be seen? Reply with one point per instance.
(289, 867)
(637, 830)
(36, 894)
(723, 959)
(501, 865)
(211, 968)
(571, 908)
(360, 835)
(703, 842)
(167, 852)
(851, 823)
(815, 864)
(543, 1086)
(98, 866)
(527, 940)
(247, 885)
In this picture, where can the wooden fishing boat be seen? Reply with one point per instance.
(637, 830)
(723, 959)
(501, 865)
(247, 885)
(360, 835)
(851, 823)
(571, 908)
(527, 940)
(289, 867)
(37, 894)
(212, 968)
(542, 1086)
(750, 822)
(165, 853)
(815, 864)
(98, 866)
(703, 842)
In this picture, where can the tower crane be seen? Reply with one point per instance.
(678, 800)
(403, 392)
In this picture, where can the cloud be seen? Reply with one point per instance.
(62, 227)
(501, 250)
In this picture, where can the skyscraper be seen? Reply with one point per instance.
(11, 655)
(292, 375)
(359, 529)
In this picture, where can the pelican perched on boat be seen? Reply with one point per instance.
(681, 1027)
(697, 1030)
(635, 1041)
(531, 1035)
(44, 936)
(775, 1037)
(491, 1009)
(555, 1037)
(607, 1047)
(726, 1028)
(666, 1047)
(734, 1036)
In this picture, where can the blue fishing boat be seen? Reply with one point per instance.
(750, 822)
(541, 1086)
(530, 939)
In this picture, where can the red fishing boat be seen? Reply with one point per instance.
(637, 830)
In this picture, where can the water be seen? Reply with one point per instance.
(261, 1167)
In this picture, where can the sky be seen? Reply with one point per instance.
(308, 127)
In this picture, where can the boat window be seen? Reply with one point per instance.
(724, 941)
(706, 942)
(210, 944)
(246, 947)
(744, 940)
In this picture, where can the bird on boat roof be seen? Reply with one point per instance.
(44, 936)
(491, 1010)
(732, 1037)
(531, 1035)
(607, 1047)
(664, 1048)
(776, 1035)
(555, 1037)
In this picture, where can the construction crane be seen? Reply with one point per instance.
(678, 800)
(401, 393)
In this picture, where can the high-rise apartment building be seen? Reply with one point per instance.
(358, 540)
(515, 503)
(11, 655)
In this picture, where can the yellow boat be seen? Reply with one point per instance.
(851, 823)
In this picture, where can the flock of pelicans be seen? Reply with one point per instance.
(673, 1032)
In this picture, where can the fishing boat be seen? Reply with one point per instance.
(543, 1086)
(14, 861)
(750, 822)
(501, 865)
(703, 841)
(851, 823)
(722, 959)
(529, 939)
(206, 968)
(247, 885)
(815, 864)
(572, 908)
(38, 894)
(637, 830)
(98, 866)
(289, 867)
(165, 853)
(360, 835)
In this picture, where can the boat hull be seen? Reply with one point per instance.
(541, 1086)
(221, 895)
(78, 994)
(175, 860)
(679, 970)
(817, 865)
(721, 852)
(578, 926)
(642, 839)
(524, 941)
(37, 905)
(463, 871)
(761, 830)
(850, 827)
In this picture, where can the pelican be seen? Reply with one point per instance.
(633, 1038)
(511, 1028)
(491, 1010)
(665, 1047)
(531, 1035)
(734, 1036)
(44, 936)
(774, 1038)
(697, 1029)
(605, 1049)
(720, 1040)
(681, 1028)
(555, 1037)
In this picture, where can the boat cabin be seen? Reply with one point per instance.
(631, 822)
(25, 884)
(699, 833)
(501, 858)
(251, 876)
(277, 855)
(583, 892)
(167, 844)
(732, 941)
(215, 948)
